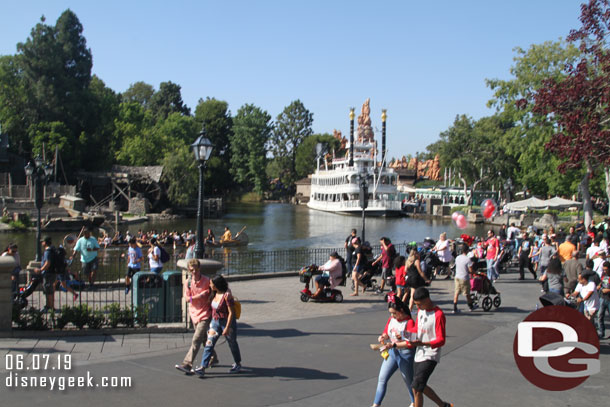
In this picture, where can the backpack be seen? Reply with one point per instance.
(237, 307)
(57, 260)
(164, 256)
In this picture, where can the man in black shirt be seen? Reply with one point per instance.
(349, 248)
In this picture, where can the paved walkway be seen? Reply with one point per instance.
(312, 354)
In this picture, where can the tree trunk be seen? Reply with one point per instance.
(607, 173)
(586, 195)
(466, 195)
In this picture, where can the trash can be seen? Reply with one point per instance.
(148, 290)
(172, 286)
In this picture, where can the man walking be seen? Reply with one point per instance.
(388, 252)
(47, 270)
(430, 327)
(349, 249)
(196, 290)
(463, 268)
(88, 247)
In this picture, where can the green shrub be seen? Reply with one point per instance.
(114, 314)
(251, 197)
(35, 319)
(142, 315)
(66, 316)
(96, 319)
(80, 316)
(5, 219)
(127, 318)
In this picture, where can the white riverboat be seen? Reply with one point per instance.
(337, 189)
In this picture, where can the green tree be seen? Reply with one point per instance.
(525, 141)
(306, 156)
(216, 117)
(292, 126)
(167, 100)
(139, 92)
(181, 175)
(12, 104)
(251, 132)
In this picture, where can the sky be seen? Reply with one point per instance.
(424, 61)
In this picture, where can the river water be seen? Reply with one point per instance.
(276, 226)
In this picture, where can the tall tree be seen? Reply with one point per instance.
(216, 117)
(525, 140)
(580, 102)
(168, 99)
(251, 132)
(292, 126)
(306, 157)
(139, 92)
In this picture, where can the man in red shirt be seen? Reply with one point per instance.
(196, 290)
(493, 248)
(388, 253)
(430, 327)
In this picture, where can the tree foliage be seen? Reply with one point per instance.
(292, 126)
(251, 132)
(306, 156)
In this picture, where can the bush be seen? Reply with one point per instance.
(127, 317)
(96, 319)
(66, 316)
(251, 197)
(114, 314)
(142, 315)
(80, 316)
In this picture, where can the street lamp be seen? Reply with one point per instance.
(38, 172)
(364, 197)
(202, 148)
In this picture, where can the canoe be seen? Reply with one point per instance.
(240, 240)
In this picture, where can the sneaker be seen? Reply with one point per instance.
(199, 371)
(378, 292)
(235, 368)
(456, 311)
(474, 306)
(185, 368)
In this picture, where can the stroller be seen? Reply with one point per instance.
(505, 256)
(550, 299)
(482, 290)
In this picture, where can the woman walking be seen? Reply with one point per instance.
(415, 276)
(395, 339)
(223, 323)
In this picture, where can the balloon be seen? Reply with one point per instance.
(489, 208)
(460, 220)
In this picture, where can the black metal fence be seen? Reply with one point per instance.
(162, 295)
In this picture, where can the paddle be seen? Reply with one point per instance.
(238, 233)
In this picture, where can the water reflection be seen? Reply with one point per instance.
(273, 226)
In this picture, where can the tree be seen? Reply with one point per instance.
(216, 117)
(251, 132)
(12, 104)
(180, 173)
(524, 141)
(580, 103)
(306, 153)
(472, 149)
(139, 92)
(292, 126)
(167, 100)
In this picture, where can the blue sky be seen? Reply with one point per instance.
(425, 61)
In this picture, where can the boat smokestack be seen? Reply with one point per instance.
(383, 150)
(351, 136)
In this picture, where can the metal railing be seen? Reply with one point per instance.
(109, 287)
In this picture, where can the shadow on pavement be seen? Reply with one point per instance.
(273, 333)
(286, 373)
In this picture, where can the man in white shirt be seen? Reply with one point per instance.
(594, 249)
(586, 292)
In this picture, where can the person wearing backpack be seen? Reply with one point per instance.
(88, 247)
(47, 271)
(154, 256)
(62, 273)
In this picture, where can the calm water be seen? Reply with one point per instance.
(274, 227)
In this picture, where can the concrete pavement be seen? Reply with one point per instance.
(298, 354)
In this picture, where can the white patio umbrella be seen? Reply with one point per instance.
(529, 203)
(558, 202)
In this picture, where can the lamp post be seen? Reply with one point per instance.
(364, 197)
(38, 172)
(202, 148)
(508, 186)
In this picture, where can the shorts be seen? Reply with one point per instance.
(131, 271)
(401, 286)
(462, 287)
(48, 283)
(322, 280)
(358, 270)
(414, 280)
(92, 266)
(62, 277)
(385, 272)
(156, 270)
(421, 373)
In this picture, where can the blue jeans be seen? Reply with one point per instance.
(604, 305)
(492, 273)
(398, 359)
(214, 333)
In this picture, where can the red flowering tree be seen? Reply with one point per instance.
(579, 103)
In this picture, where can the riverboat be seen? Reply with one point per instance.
(337, 187)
